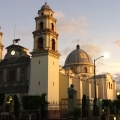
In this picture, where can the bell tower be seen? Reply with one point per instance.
(44, 74)
(1, 46)
(45, 36)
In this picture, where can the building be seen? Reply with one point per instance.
(21, 75)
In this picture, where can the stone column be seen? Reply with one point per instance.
(72, 98)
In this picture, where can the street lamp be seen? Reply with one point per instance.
(94, 74)
(95, 99)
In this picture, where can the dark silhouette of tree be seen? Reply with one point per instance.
(84, 106)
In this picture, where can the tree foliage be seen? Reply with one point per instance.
(84, 106)
(34, 102)
(118, 97)
(106, 103)
(76, 113)
(117, 104)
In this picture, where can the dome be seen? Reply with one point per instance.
(77, 57)
(45, 7)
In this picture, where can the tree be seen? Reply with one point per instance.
(41, 103)
(117, 104)
(106, 103)
(34, 102)
(76, 113)
(84, 106)
(118, 97)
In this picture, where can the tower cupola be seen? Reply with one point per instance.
(45, 35)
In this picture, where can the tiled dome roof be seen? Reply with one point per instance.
(78, 56)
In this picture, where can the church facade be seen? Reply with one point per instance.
(22, 75)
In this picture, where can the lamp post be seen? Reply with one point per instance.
(95, 74)
(95, 82)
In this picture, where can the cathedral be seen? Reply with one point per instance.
(21, 74)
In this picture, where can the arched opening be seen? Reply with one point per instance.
(85, 70)
(52, 26)
(8, 103)
(41, 25)
(40, 44)
(53, 44)
(41, 13)
(111, 86)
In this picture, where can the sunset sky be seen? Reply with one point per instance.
(93, 24)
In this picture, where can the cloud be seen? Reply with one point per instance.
(92, 49)
(82, 32)
(117, 42)
(66, 25)
(59, 15)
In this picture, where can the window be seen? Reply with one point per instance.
(41, 13)
(53, 44)
(111, 86)
(41, 25)
(11, 76)
(53, 62)
(85, 70)
(52, 26)
(53, 83)
(40, 44)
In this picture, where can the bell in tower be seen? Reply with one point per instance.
(45, 36)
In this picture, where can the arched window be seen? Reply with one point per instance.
(111, 86)
(41, 25)
(85, 70)
(53, 44)
(52, 26)
(41, 13)
(40, 44)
